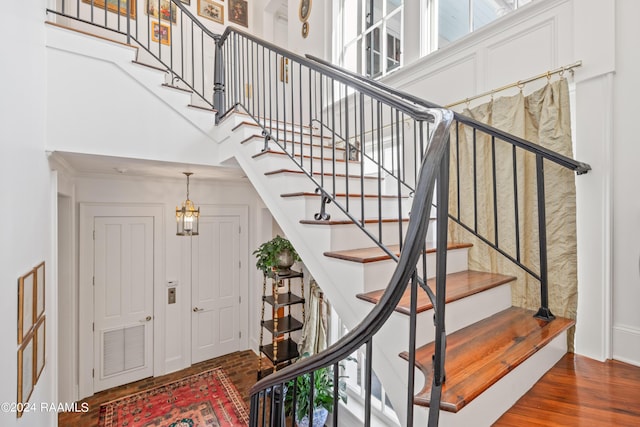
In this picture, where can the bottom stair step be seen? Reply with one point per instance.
(481, 354)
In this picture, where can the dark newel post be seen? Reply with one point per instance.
(543, 312)
(441, 282)
(218, 80)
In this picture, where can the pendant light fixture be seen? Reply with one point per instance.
(187, 217)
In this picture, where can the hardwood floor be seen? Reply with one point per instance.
(577, 392)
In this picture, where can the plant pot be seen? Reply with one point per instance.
(285, 261)
(319, 418)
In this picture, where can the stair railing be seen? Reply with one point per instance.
(324, 122)
(165, 29)
(517, 145)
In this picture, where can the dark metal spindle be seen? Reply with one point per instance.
(515, 202)
(368, 370)
(361, 156)
(412, 348)
(475, 183)
(543, 312)
(495, 189)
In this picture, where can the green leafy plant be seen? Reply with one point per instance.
(268, 252)
(322, 392)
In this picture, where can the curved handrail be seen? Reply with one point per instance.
(567, 162)
(405, 268)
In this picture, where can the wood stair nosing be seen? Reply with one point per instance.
(153, 67)
(481, 354)
(168, 86)
(459, 285)
(200, 107)
(354, 195)
(338, 175)
(305, 156)
(374, 254)
(305, 144)
(349, 222)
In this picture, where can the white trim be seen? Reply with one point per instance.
(85, 288)
(626, 342)
(607, 227)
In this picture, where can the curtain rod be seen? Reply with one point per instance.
(520, 83)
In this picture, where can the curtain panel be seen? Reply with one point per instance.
(543, 117)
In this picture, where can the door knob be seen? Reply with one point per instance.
(196, 309)
(146, 319)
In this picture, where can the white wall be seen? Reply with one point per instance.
(626, 201)
(25, 184)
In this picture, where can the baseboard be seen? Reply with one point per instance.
(626, 344)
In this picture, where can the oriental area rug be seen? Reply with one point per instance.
(207, 399)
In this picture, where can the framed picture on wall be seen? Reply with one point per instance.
(211, 10)
(40, 292)
(39, 335)
(115, 6)
(26, 304)
(160, 32)
(239, 12)
(160, 9)
(26, 370)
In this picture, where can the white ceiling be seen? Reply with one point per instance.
(87, 164)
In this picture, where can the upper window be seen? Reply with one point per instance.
(371, 36)
(453, 19)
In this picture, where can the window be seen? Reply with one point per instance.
(371, 36)
(354, 377)
(453, 19)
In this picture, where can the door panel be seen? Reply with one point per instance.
(123, 300)
(215, 288)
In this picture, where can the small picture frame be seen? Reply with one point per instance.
(39, 335)
(160, 32)
(40, 290)
(26, 304)
(304, 10)
(305, 29)
(211, 10)
(168, 10)
(284, 70)
(115, 6)
(26, 371)
(239, 12)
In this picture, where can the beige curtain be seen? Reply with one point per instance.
(314, 332)
(543, 118)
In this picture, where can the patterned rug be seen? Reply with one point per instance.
(207, 399)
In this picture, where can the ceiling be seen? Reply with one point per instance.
(88, 164)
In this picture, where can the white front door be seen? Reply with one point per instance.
(215, 288)
(123, 300)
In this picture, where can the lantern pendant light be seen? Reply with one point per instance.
(187, 216)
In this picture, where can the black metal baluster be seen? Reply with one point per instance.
(312, 377)
(336, 392)
(347, 147)
(361, 154)
(543, 312)
(412, 348)
(367, 382)
(475, 183)
(458, 165)
(495, 189)
(515, 202)
(380, 145)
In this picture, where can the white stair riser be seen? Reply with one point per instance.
(349, 236)
(293, 183)
(388, 207)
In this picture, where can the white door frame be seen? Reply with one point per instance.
(85, 287)
(223, 210)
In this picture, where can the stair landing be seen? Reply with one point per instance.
(459, 285)
(481, 354)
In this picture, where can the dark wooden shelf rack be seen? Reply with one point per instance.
(282, 350)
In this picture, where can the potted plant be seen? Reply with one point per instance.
(276, 254)
(322, 397)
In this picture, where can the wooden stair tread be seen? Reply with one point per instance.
(200, 107)
(311, 194)
(459, 285)
(153, 67)
(373, 254)
(348, 221)
(168, 86)
(481, 354)
(338, 175)
(306, 156)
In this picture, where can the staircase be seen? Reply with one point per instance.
(348, 168)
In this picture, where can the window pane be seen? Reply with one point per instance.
(453, 20)
(485, 11)
(374, 15)
(394, 34)
(393, 5)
